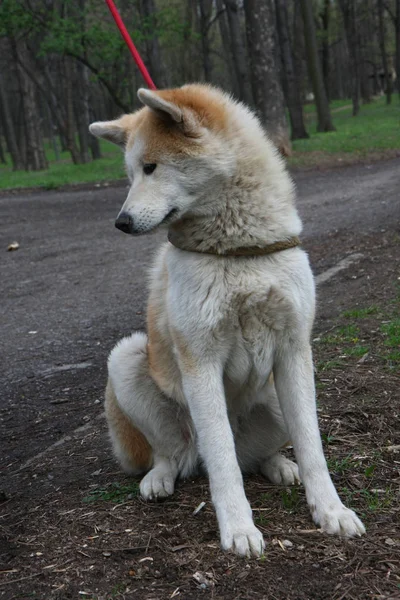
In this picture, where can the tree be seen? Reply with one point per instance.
(289, 81)
(398, 44)
(349, 10)
(9, 130)
(386, 74)
(239, 52)
(267, 90)
(314, 67)
(154, 58)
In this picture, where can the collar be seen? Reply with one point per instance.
(241, 251)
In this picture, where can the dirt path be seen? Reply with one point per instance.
(76, 286)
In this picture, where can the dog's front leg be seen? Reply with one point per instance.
(204, 391)
(294, 380)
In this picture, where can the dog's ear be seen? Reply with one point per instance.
(166, 110)
(116, 131)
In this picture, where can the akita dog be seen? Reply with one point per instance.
(224, 376)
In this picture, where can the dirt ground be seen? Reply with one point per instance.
(72, 526)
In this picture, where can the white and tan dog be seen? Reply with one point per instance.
(225, 373)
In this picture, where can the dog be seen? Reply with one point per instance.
(224, 376)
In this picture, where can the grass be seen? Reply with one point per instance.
(108, 168)
(391, 333)
(371, 501)
(115, 492)
(375, 130)
(360, 313)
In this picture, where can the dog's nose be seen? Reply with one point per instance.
(124, 222)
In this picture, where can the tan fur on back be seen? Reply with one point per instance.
(131, 439)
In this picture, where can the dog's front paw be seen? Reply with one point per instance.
(245, 541)
(338, 520)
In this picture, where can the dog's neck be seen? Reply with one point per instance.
(250, 228)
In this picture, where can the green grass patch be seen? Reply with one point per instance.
(391, 333)
(356, 351)
(346, 334)
(290, 498)
(340, 466)
(370, 501)
(63, 172)
(261, 519)
(375, 129)
(114, 492)
(361, 313)
(327, 365)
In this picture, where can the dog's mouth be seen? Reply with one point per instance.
(169, 216)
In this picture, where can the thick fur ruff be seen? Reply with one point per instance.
(224, 377)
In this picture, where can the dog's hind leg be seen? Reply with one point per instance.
(130, 447)
(144, 423)
(260, 436)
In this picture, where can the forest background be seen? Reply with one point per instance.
(321, 75)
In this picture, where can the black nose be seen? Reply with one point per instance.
(124, 222)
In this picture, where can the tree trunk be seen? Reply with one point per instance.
(82, 111)
(205, 18)
(386, 74)
(224, 33)
(9, 129)
(398, 45)
(350, 25)
(69, 125)
(225, 39)
(299, 52)
(325, 18)
(239, 52)
(289, 82)
(94, 141)
(154, 58)
(35, 156)
(314, 66)
(2, 155)
(267, 90)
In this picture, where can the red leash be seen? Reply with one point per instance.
(130, 44)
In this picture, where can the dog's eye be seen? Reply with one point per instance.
(149, 168)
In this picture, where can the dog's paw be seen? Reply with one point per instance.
(338, 520)
(247, 541)
(158, 483)
(280, 470)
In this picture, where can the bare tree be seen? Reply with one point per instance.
(239, 52)
(204, 23)
(289, 81)
(8, 127)
(398, 44)
(314, 66)
(154, 58)
(225, 38)
(386, 74)
(325, 18)
(34, 155)
(349, 10)
(267, 90)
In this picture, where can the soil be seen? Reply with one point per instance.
(73, 526)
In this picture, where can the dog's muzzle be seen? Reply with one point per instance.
(124, 222)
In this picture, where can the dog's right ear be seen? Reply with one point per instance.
(114, 131)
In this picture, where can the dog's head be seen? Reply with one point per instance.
(176, 154)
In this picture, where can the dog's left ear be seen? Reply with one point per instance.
(161, 107)
(169, 111)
